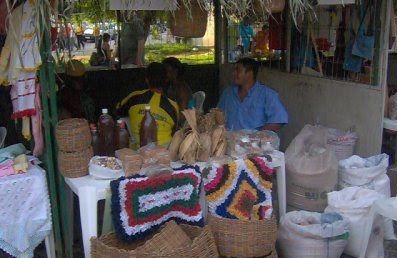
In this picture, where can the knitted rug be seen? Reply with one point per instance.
(240, 190)
(140, 205)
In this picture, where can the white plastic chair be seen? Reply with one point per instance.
(384, 207)
(199, 98)
(3, 134)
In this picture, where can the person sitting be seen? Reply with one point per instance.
(249, 104)
(74, 101)
(178, 90)
(262, 41)
(103, 49)
(164, 110)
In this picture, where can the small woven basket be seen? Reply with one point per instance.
(185, 26)
(172, 241)
(73, 135)
(239, 238)
(202, 246)
(75, 164)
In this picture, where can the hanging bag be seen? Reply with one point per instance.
(363, 45)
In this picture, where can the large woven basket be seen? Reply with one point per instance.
(73, 135)
(171, 241)
(74, 164)
(185, 26)
(239, 238)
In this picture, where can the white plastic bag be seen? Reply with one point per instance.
(301, 235)
(368, 173)
(354, 204)
(312, 169)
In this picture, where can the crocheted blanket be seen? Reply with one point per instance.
(240, 190)
(141, 205)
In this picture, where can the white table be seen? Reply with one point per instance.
(25, 218)
(90, 190)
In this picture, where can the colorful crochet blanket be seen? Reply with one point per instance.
(141, 205)
(240, 190)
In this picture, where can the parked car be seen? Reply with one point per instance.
(89, 35)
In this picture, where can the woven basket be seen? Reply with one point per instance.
(203, 244)
(172, 241)
(73, 135)
(74, 164)
(274, 6)
(239, 238)
(189, 27)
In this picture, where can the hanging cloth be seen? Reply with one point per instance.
(365, 40)
(21, 49)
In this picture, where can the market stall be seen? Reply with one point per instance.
(205, 186)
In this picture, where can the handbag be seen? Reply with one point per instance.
(363, 45)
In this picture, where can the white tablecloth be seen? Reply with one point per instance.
(25, 213)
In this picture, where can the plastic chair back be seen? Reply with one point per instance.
(199, 98)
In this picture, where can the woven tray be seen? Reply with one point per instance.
(239, 238)
(74, 164)
(172, 241)
(189, 27)
(73, 135)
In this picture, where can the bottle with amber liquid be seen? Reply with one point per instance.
(148, 129)
(122, 139)
(106, 134)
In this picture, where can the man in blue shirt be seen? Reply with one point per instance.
(249, 104)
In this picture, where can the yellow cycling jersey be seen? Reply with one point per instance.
(164, 111)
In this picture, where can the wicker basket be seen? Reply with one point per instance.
(239, 238)
(274, 6)
(74, 164)
(171, 241)
(73, 135)
(182, 25)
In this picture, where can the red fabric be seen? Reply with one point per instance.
(28, 112)
(277, 39)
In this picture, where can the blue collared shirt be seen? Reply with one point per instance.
(260, 107)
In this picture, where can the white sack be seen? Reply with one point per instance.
(301, 235)
(368, 173)
(354, 204)
(312, 169)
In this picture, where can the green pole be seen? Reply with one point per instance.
(50, 120)
(48, 155)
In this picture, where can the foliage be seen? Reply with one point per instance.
(184, 52)
(93, 11)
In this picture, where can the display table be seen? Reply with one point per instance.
(25, 213)
(90, 190)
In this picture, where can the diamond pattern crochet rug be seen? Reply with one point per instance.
(240, 190)
(141, 205)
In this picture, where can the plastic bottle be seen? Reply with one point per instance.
(106, 134)
(148, 130)
(95, 139)
(122, 138)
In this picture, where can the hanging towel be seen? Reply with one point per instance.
(23, 95)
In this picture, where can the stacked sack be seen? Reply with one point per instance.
(74, 144)
(354, 204)
(310, 234)
(312, 169)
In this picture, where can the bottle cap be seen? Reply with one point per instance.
(147, 107)
(119, 121)
(104, 111)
